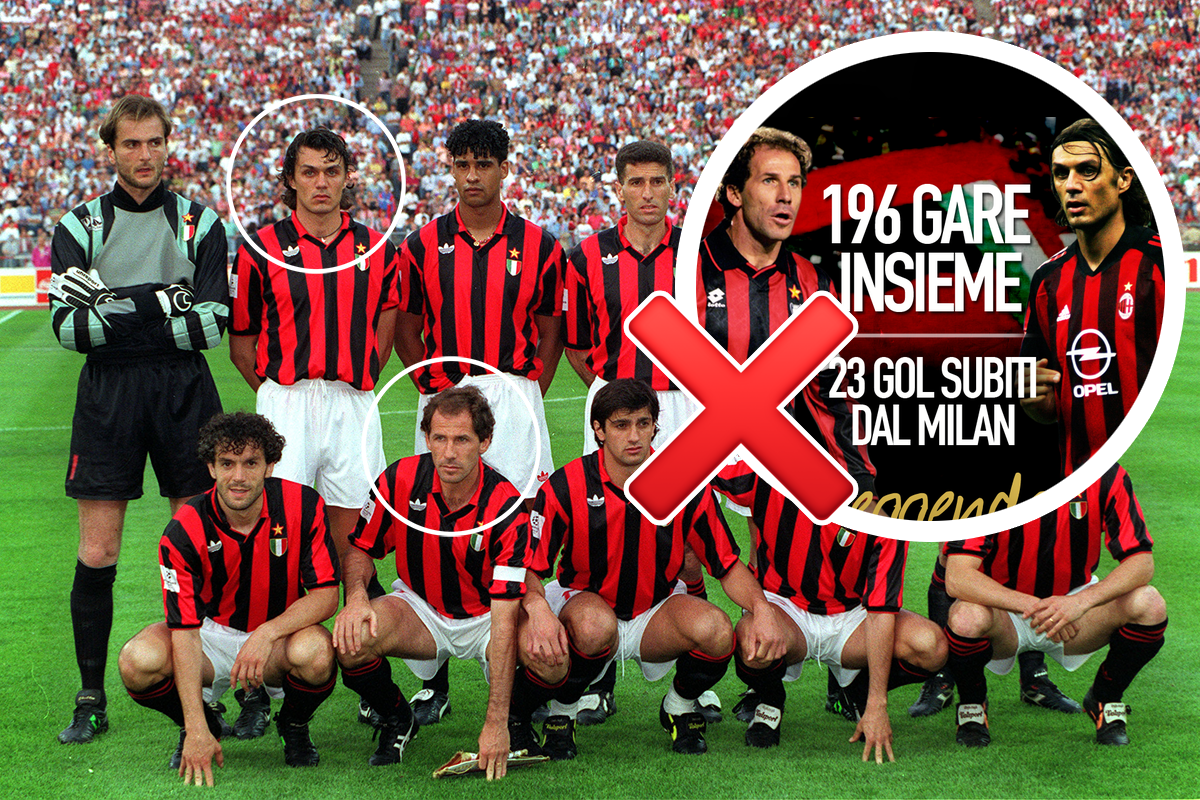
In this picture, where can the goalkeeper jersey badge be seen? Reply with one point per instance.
(279, 541)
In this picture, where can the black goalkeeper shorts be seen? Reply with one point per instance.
(127, 410)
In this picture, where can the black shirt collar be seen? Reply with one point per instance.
(122, 199)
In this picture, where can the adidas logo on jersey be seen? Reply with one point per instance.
(214, 547)
(291, 251)
(595, 502)
(416, 505)
(446, 249)
(716, 299)
(609, 260)
(1064, 315)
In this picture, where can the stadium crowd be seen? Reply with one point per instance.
(572, 81)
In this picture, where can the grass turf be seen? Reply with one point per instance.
(1034, 753)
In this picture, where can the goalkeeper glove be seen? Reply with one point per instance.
(80, 289)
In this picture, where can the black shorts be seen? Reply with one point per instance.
(128, 409)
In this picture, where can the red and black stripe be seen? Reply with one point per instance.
(1115, 314)
(741, 306)
(239, 580)
(1058, 552)
(609, 548)
(454, 574)
(480, 301)
(607, 279)
(825, 569)
(315, 325)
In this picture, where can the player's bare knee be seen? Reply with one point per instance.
(712, 632)
(969, 619)
(310, 652)
(1146, 606)
(591, 633)
(142, 662)
(924, 646)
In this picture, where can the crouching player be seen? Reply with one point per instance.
(249, 573)
(618, 592)
(1032, 588)
(458, 594)
(837, 595)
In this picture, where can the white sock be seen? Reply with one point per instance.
(675, 704)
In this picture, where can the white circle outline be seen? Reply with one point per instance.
(237, 219)
(1065, 490)
(537, 443)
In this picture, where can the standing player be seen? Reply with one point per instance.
(312, 345)
(249, 574)
(456, 595)
(617, 591)
(1032, 588)
(838, 596)
(483, 283)
(749, 285)
(139, 285)
(608, 276)
(1095, 309)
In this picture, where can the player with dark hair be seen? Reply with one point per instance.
(838, 595)
(311, 338)
(139, 286)
(485, 284)
(1095, 309)
(457, 594)
(1032, 589)
(617, 591)
(749, 285)
(249, 573)
(609, 274)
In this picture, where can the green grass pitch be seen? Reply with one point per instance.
(1034, 753)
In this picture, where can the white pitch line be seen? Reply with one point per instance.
(36, 430)
(9, 316)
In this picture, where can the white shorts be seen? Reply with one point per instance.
(674, 409)
(629, 632)
(323, 422)
(512, 452)
(461, 638)
(221, 645)
(825, 636)
(1028, 639)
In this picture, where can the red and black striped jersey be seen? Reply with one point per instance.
(479, 301)
(741, 306)
(609, 548)
(1059, 552)
(824, 569)
(243, 580)
(457, 575)
(1100, 330)
(315, 325)
(607, 279)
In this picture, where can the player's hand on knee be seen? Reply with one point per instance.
(251, 663)
(350, 624)
(544, 639)
(767, 640)
(80, 289)
(199, 752)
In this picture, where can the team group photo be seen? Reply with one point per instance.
(394, 407)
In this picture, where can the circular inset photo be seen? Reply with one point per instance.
(1005, 245)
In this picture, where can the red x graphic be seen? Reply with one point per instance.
(741, 406)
